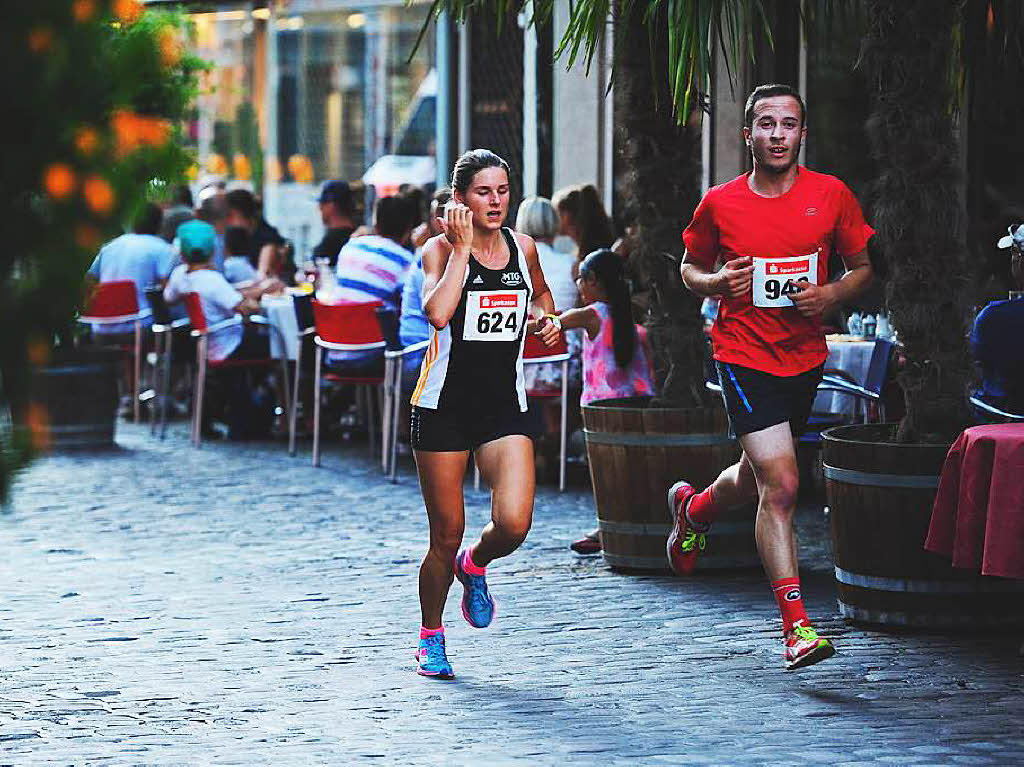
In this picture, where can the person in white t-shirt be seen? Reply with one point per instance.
(142, 257)
(220, 301)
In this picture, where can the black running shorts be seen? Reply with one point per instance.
(757, 400)
(444, 431)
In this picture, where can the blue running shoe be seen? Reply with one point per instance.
(477, 605)
(431, 659)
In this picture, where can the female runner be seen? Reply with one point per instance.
(482, 289)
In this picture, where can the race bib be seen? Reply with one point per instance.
(494, 315)
(776, 278)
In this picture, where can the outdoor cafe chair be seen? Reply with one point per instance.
(989, 413)
(201, 331)
(536, 353)
(874, 381)
(163, 335)
(394, 356)
(115, 302)
(350, 327)
(303, 306)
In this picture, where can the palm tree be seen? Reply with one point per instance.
(663, 59)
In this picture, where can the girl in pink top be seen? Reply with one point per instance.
(615, 358)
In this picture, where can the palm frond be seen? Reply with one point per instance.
(692, 29)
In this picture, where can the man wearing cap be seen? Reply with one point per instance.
(995, 338)
(337, 210)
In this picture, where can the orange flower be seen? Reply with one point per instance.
(132, 131)
(300, 168)
(99, 195)
(128, 11)
(192, 173)
(170, 47)
(40, 39)
(87, 237)
(241, 167)
(87, 140)
(216, 164)
(59, 181)
(83, 10)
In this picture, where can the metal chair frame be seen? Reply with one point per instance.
(202, 337)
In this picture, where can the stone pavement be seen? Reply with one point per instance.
(232, 605)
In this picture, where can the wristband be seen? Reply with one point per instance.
(554, 321)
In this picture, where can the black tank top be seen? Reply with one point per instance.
(484, 370)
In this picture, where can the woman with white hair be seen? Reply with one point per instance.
(538, 219)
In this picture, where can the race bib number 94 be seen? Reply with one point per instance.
(494, 315)
(776, 278)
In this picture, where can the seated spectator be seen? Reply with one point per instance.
(538, 218)
(237, 247)
(413, 326)
(141, 257)
(267, 254)
(995, 338)
(213, 209)
(374, 267)
(583, 219)
(337, 211)
(221, 301)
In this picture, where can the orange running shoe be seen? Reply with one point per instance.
(684, 542)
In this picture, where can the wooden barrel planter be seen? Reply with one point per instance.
(880, 496)
(636, 453)
(72, 403)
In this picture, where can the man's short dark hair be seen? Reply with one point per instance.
(243, 201)
(391, 217)
(767, 92)
(149, 219)
(237, 241)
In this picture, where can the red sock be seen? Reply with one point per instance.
(791, 603)
(702, 509)
(425, 632)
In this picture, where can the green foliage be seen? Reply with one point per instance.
(93, 105)
(692, 26)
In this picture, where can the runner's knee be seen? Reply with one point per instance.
(515, 530)
(445, 543)
(778, 494)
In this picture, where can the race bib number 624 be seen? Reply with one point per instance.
(494, 315)
(775, 279)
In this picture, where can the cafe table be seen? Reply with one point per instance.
(978, 516)
(280, 313)
(852, 355)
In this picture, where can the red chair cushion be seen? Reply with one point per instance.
(113, 299)
(534, 347)
(196, 315)
(351, 324)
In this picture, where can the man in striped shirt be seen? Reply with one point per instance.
(374, 267)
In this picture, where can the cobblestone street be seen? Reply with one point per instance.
(232, 605)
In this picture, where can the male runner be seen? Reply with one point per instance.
(761, 242)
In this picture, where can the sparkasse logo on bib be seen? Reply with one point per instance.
(511, 278)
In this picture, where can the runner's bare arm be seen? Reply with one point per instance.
(815, 300)
(732, 280)
(445, 259)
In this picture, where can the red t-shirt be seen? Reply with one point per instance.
(818, 214)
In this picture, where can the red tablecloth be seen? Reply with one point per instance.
(978, 517)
